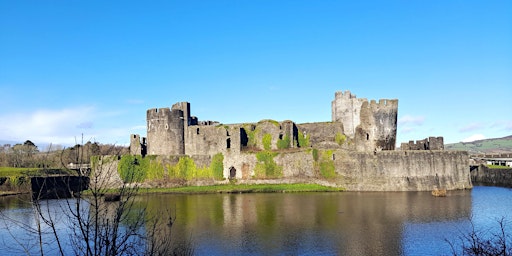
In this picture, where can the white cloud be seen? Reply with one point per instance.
(474, 137)
(411, 120)
(47, 126)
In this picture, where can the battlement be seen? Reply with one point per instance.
(430, 143)
(384, 103)
(158, 112)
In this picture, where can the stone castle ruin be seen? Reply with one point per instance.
(359, 144)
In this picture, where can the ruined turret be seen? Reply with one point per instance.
(372, 125)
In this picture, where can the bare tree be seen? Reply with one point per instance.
(106, 219)
(479, 242)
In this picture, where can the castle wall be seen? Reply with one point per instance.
(404, 171)
(210, 140)
(484, 175)
(322, 135)
(165, 132)
(430, 143)
(368, 171)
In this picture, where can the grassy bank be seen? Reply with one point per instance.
(244, 188)
(498, 167)
(14, 171)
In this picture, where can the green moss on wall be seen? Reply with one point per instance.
(132, 168)
(252, 133)
(327, 165)
(217, 166)
(340, 138)
(315, 154)
(274, 122)
(266, 167)
(303, 140)
(284, 143)
(267, 141)
(324, 163)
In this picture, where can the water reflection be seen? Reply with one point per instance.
(392, 223)
(308, 223)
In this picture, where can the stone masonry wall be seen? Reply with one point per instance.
(484, 175)
(368, 171)
(165, 132)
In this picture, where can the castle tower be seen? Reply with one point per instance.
(371, 125)
(165, 132)
(135, 145)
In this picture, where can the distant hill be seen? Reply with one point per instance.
(3, 142)
(487, 146)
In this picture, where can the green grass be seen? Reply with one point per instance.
(244, 188)
(14, 171)
(483, 146)
(490, 166)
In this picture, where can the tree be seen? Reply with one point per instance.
(484, 242)
(108, 219)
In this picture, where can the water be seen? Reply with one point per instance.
(348, 223)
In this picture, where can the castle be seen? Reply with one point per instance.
(359, 141)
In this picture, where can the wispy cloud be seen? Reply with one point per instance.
(474, 137)
(47, 126)
(406, 130)
(411, 120)
(471, 127)
(505, 125)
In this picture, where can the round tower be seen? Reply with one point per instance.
(165, 132)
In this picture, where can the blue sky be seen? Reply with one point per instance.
(94, 67)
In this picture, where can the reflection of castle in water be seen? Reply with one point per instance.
(347, 223)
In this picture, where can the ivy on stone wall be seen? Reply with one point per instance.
(327, 165)
(284, 143)
(340, 138)
(324, 163)
(251, 132)
(315, 154)
(132, 168)
(303, 140)
(217, 166)
(266, 167)
(267, 141)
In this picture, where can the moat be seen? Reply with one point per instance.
(347, 223)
